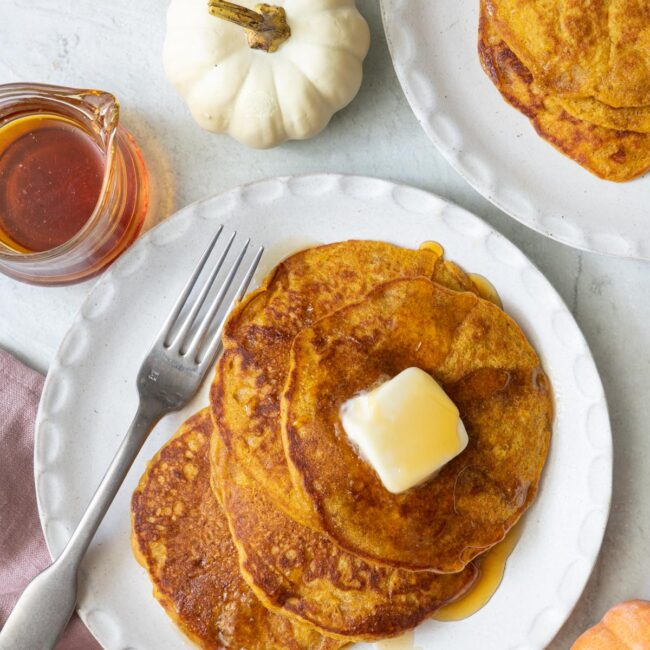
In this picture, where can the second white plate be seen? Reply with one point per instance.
(433, 46)
(89, 399)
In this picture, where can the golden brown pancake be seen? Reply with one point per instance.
(581, 48)
(297, 571)
(609, 154)
(482, 360)
(250, 376)
(636, 118)
(181, 537)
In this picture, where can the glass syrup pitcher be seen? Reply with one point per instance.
(74, 189)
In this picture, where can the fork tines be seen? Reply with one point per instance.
(193, 328)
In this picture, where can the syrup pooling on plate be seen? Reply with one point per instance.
(51, 173)
(491, 570)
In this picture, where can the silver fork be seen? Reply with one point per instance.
(170, 375)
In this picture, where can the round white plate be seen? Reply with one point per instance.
(89, 399)
(494, 147)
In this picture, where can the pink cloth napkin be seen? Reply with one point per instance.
(22, 547)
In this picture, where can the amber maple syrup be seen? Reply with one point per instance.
(434, 247)
(492, 565)
(51, 174)
(73, 185)
(485, 288)
(491, 568)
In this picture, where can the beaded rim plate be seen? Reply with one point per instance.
(494, 147)
(89, 399)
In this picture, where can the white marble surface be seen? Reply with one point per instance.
(116, 46)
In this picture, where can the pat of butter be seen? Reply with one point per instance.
(407, 429)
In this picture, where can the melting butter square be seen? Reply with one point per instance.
(407, 429)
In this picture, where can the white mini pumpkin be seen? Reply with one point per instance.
(263, 98)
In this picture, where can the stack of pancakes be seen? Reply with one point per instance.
(580, 71)
(259, 524)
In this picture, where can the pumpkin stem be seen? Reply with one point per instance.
(266, 27)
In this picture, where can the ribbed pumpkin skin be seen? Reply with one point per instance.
(624, 627)
(264, 98)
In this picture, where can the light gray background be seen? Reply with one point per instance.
(116, 46)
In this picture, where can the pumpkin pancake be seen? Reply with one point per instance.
(482, 360)
(607, 153)
(250, 376)
(302, 573)
(635, 118)
(181, 537)
(581, 48)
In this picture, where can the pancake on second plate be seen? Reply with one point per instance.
(181, 537)
(610, 154)
(481, 358)
(577, 37)
(581, 48)
(250, 376)
(633, 118)
(302, 573)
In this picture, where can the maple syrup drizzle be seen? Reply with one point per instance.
(491, 570)
(493, 563)
(434, 247)
(51, 174)
(485, 288)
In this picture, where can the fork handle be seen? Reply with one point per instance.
(48, 602)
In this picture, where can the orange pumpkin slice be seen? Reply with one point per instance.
(624, 627)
